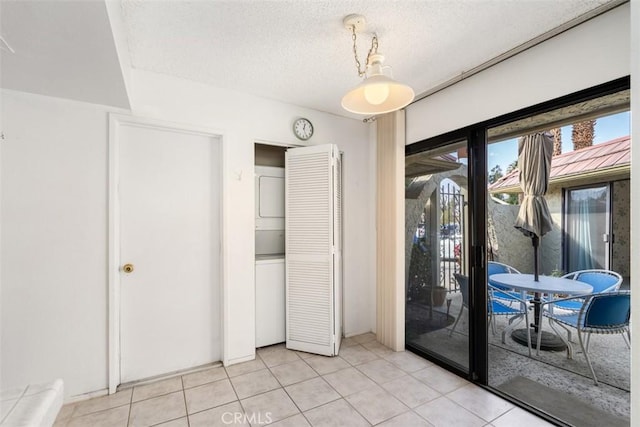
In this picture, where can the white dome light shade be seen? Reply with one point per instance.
(377, 94)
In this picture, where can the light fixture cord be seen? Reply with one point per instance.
(372, 50)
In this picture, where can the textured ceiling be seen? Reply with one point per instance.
(299, 52)
(296, 51)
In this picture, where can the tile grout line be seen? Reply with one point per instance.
(184, 396)
(409, 409)
(235, 392)
(318, 376)
(168, 421)
(130, 408)
(307, 363)
(73, 411)
(275, 366)
(379, 384)
(340, 397)
(216, 406)
(257, 394)
(466, 409)
(308, 379)
(345, 397)
(420, 416)
(283, 388)
(354, 408)
(294, 402)
(155, 396)
(99, 410)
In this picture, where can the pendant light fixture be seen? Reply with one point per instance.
(378, 93)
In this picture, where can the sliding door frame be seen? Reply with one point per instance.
(477, 144)
(475, 138)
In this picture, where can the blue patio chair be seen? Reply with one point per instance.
(502, 292)
(494, 308)
(603, 313)
(601, 280)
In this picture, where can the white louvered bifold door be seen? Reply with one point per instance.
(310, 219)
(337, 245)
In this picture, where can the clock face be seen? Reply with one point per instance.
(303, 129)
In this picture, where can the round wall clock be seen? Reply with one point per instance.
(303, 129)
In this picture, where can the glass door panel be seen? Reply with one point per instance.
(436, 192)
(580, 238)
(587, 228)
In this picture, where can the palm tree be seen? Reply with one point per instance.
(557, 141)
(582, 134)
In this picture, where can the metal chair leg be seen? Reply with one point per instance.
(457, 320)
(586, 356)
(627, 338)
(492, 323)
(558, 333)
(526, 318)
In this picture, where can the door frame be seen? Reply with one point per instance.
(565, 219)
(116, 121)
(288, 145)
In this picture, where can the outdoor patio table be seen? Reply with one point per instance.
(544, 285)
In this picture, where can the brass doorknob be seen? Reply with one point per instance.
(127, 268)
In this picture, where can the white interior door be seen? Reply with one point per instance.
(169, 211)
(313, 291)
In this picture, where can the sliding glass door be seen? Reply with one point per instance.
(463, 194)
(437, 271)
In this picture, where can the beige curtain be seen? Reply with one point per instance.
(390, 298)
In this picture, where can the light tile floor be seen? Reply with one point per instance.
(367, 384)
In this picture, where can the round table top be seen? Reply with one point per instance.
(545, 284)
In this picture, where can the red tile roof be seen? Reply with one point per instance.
(610, 154)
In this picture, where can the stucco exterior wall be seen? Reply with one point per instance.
(514, 249)
(551, 243)
(621, 228)
(415, 207)
(511, 246)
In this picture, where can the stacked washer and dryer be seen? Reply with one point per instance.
(270, 261)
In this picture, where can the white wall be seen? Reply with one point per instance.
(53, 244)
(592, 53)
(243, 119)
(54, 221)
